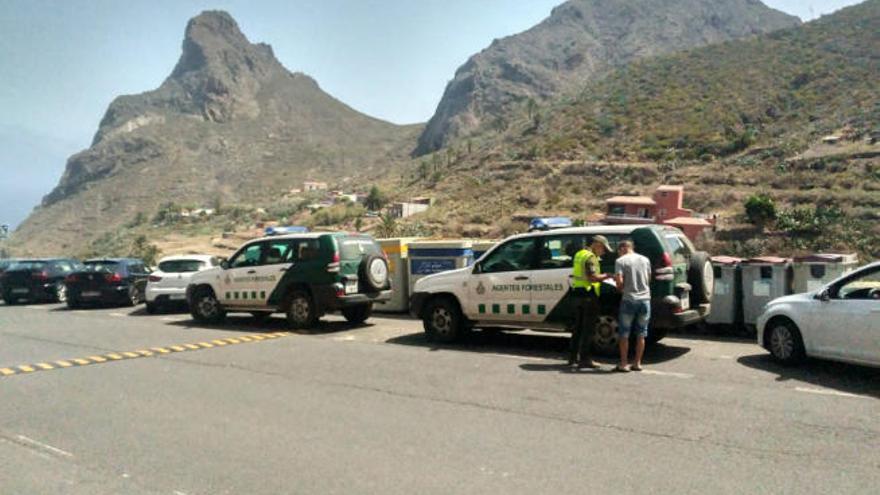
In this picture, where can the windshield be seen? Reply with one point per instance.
(354, 247)
(181, 266)
(100, 266)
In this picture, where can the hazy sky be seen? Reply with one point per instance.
(62, 62)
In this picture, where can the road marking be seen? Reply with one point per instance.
(667, 373)
(44, 446)
(127, 355)
(825, 391)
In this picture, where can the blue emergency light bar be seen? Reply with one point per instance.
(293, 229)
(549, 223)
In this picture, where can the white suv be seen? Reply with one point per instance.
(524, 281)
(168, 284)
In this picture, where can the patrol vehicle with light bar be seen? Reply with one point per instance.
(524, 283)
(301, 275)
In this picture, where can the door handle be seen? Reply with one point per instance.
(252, 271)
(521, 277)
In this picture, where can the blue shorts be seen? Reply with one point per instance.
(633, 318)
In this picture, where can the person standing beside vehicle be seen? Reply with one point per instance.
(632, 272)
(586, 284)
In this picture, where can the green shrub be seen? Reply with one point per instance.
(760, 210)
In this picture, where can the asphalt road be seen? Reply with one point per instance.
(376, 409)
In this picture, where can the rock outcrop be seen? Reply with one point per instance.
(581, 40)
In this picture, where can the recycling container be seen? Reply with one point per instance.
(816, 270)
(727, 293)
(763, 280)
(481, 247)
(430, 257)
(397, 251)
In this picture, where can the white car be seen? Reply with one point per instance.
(167, 285)
(840, 321)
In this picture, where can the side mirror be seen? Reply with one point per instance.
(224, 265)
(478, 268)
(823, 295)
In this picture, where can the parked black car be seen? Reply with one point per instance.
(108, 281)
(37, 280)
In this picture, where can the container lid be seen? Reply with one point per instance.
(450, 244)
(726, 260)
(827, 258)
(767, 260)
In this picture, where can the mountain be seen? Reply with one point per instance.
(229, 124)
(581, 40)
(794, 114)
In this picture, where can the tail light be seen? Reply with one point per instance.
(43, 275)
(340, 290)
(113, 277)
(70, 279)
(154, 278)
(664, 272)
(334, 266)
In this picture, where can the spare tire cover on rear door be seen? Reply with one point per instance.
(701, 277)
(374, 272)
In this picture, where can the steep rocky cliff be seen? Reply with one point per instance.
(581, 40)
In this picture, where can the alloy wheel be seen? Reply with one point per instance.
(441, 320)
(606, 334)
(781, 342)
(300, 309)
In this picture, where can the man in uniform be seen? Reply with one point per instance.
(586, 283)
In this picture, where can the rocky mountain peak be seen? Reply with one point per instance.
(580, 41)
(213, 40)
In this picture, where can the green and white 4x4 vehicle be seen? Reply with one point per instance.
(524, 282)
(304, 276)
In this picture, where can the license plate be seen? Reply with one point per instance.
(351, 286)
(685, 302)
(20, 291)
(177, 297)
(91, 293)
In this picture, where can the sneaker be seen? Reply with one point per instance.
(589, 364)
(621, 369)
(636, 367)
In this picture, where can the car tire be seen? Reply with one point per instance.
(10, 301)
(153, 307)
(133, 298)
(301, 310)
(443, 321)
(205, 308)
(373, 273)
(60, 293)
(785, 343)
(701, 277)
(357, 314)
(73, 304)
(605, 338)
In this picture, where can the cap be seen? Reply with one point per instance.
(601, 239)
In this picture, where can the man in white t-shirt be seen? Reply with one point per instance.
(632, 272)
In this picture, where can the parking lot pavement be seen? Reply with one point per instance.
(377, 409)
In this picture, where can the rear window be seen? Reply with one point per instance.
(181, 266)
(28, 265)
(101, 266)
(355, 247)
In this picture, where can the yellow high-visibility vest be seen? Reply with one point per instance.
(579, 278)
